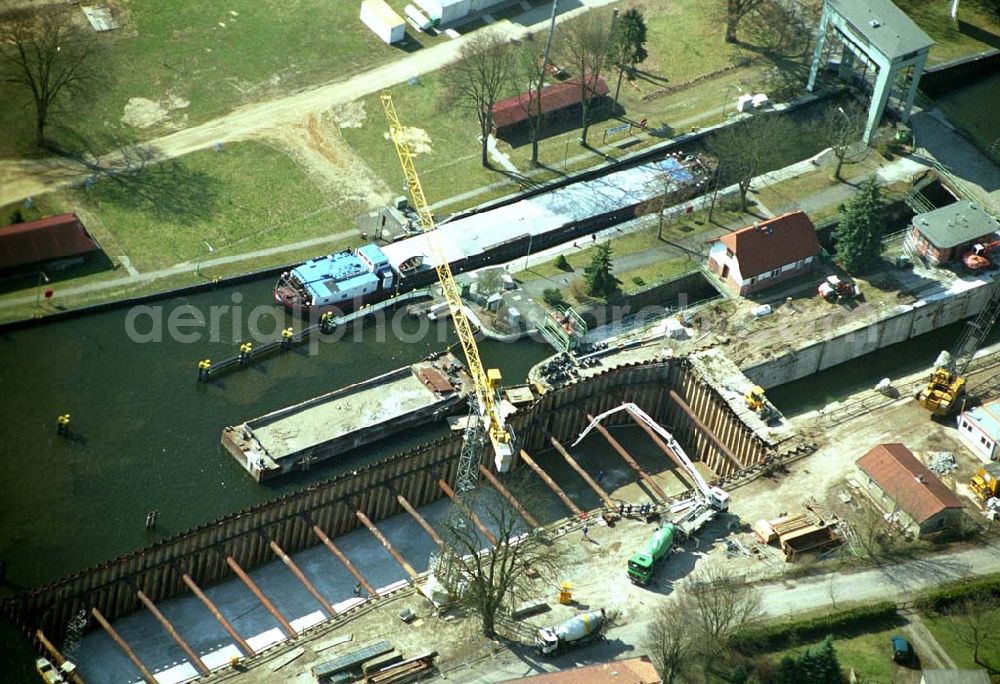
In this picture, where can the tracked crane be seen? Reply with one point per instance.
(486, 417)
(946, 388)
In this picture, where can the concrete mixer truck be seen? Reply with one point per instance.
(641, 564)
(578, 630)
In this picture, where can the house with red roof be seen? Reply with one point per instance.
(766, 253)
(53, 242)
(515, 110)
(905, 488)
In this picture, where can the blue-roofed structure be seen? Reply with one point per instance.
(336, 278)
(979, 428)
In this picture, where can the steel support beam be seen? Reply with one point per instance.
(557, 490)
(226, 625)
(57, 657)
(377, 533)
(583, 473)
(704, 428)
(174, 634)
(681, 472)
(103, 622)
(301, 577)
(431, 532)
(469, 513)
(493, 480)
(627, 457)
(264, 601)
(322, 536)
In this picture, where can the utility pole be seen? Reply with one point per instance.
(548, 42)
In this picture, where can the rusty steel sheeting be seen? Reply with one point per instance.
(469, 513)
(568, 502)
(583, 473)
(385, 542)
(255, 590)
(528, 518)
(57, 658)
(174, 634)
(196, 590)
(711, 435)
(318, 531)
(420, 520)
(301, 577)
(682, 474)
(146, 674)
(627, 457)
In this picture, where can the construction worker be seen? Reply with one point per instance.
(585, 528)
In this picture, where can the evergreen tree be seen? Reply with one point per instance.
(816, 665)
(601, 282)
(859, 234)
(628, 44)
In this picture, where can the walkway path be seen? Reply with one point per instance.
(28, 177)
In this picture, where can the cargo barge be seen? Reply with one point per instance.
(351, 279)
(294, 437)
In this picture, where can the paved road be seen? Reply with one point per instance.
(893, 582)
(25, 178)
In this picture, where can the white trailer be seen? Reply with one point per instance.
(418, 18)
(444, 12)
(383, 21)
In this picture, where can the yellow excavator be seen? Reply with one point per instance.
(945, 392)
(758, 403)
(986, 483)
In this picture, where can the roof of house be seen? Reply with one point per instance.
(554, 97)
(954, 677)
(631, 671)
(955, 224)
(883, 25)
(917, 490)
(771, 244)
(987, 417)
(53, 237)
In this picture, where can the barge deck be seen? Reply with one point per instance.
(322, 427)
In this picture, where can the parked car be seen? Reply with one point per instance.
(902, 652)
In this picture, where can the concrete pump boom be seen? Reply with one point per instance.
(717, 497)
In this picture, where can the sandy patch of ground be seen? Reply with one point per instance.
(143, 113)
(318, 148)
(350, 114)
(417, 138)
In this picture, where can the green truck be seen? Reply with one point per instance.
(641, 564)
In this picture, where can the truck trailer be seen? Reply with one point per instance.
(642, 564)
(383, 21)
(578, 630)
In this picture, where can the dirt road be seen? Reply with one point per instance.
(26, 178)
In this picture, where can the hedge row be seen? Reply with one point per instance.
(980, 588)
(841, 623)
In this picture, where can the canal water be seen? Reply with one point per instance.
(146, 433)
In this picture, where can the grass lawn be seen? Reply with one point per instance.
(976, 30)
(244, 198)
(655, 273)
(869, 654)
(217, 56)
(961, 653)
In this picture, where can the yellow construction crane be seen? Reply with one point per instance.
(487, 383)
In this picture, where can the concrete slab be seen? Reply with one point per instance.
(220, 658)
(176, 674)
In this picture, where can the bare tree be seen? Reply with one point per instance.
(737, 11)
(720, 604)
(583, 46)
(479, 76)
(47, 55)
(970, 622)
(492, 579)
(841, 129)
(527, 79)
(746, 148)
(670, 641)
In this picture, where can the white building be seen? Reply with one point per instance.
(979, 428)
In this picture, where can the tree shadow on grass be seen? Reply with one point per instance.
(166, 191)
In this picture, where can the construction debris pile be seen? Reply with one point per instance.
(943, 463)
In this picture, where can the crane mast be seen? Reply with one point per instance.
(486, 383)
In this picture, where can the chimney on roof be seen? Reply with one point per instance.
(920, 479)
